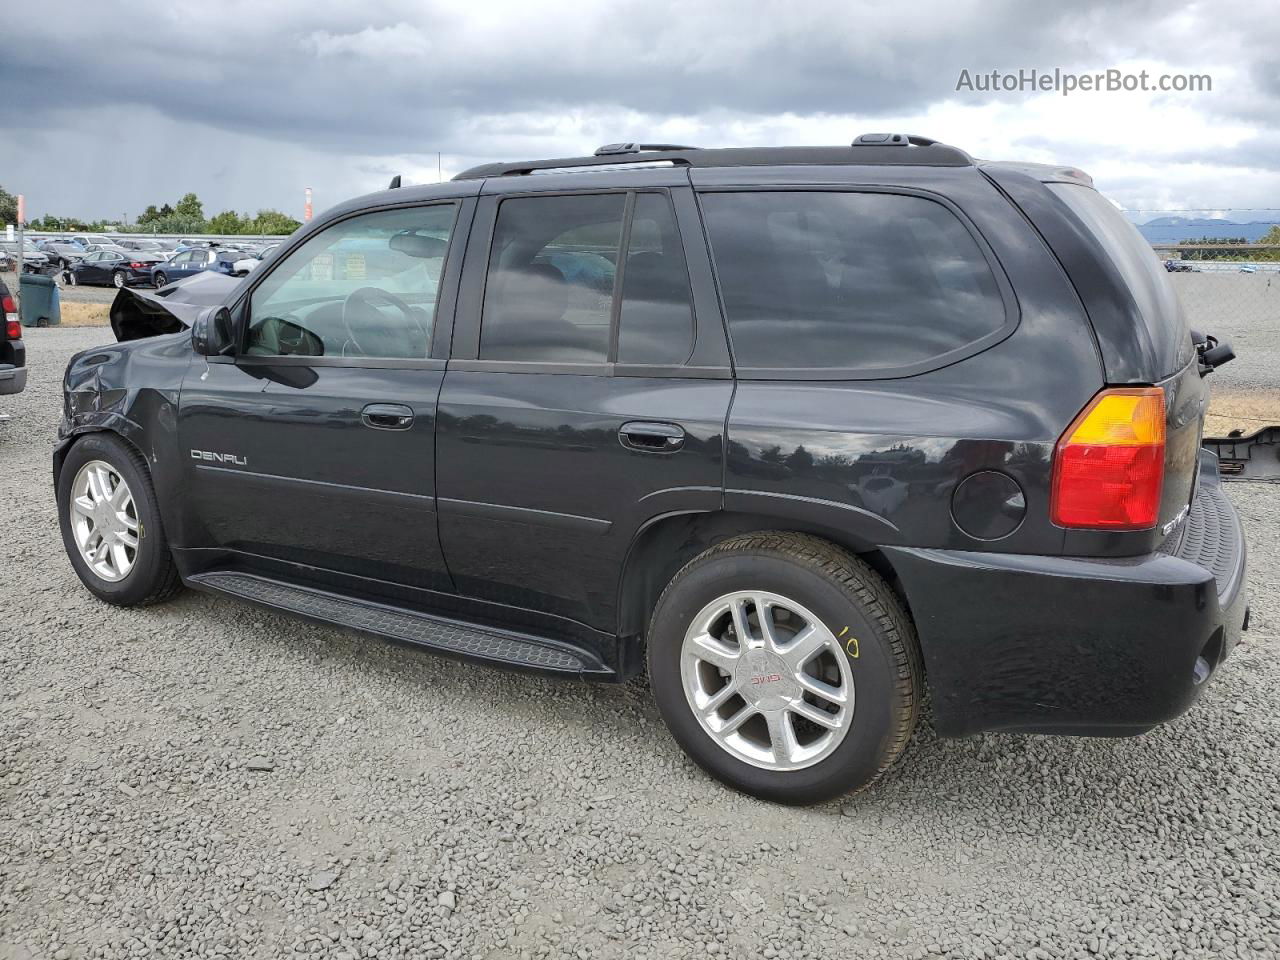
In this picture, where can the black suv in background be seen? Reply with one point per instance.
(13, 352)
(808, 430)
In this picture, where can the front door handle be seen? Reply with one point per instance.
(649, 437)
(387, 416)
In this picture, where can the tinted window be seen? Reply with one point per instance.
(858, 281)
(549, 292)
(656, 321)
(365, 287)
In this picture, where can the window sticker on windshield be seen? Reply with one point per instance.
(322, 267)
(356, 267)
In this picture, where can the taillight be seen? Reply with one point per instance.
(1108, 468)
(12, 329)
(137, 266)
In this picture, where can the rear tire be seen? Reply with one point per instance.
(160, 280)
(794, 747)
(151, 576)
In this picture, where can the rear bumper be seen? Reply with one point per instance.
(12, 379)
(1075, 645)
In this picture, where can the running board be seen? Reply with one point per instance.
(440, 634)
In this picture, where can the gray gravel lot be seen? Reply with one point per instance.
(205, 779)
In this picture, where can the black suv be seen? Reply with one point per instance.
(13, 352)
(809, 430)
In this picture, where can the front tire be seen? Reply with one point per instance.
(160, 280)
(118, 279)
(70, 279)
(785, 667)
(111, 525)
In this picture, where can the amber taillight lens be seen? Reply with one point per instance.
(1108, 468)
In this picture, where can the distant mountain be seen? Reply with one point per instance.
(1175, 229)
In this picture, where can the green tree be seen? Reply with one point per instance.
(149, 214)
(8, 207)
(166, 211)
(1272, 235)
(190, 206)
(273, 221)
(229, 222)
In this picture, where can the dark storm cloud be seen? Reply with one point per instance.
(214, 93)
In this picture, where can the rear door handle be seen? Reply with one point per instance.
(652, 437)
(387, 416)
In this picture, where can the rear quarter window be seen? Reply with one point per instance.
(866, 284)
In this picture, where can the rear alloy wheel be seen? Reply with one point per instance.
(160, 280)
(785, 667)
(117, 279)
(767, 680)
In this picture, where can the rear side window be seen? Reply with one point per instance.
(656, 321)
(549, 292)
(553, 290)
(861, 282)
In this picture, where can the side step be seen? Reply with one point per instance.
(440, 634)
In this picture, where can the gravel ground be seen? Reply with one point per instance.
(203, 779)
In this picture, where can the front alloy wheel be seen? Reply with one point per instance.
(767, 680)
(104, 521)
(117, 279)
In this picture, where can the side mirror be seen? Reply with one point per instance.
(212, 334)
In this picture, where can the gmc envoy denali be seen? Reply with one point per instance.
(805, 430)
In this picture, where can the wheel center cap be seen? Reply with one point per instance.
(764, 680)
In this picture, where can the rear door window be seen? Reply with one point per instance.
(655, 324)
(871, 283)
(549, 291)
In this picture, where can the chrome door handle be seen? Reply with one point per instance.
(387, 416)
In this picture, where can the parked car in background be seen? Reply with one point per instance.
(251, 259)
(117, 268)
(191, 262)
(62, 253)
(141, 246)
(13, 352)
(89, 239)
(34, 260)
(1178, 266)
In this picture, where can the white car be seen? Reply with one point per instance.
(247, 263)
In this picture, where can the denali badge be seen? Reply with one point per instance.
(219, 457)
(1182, 515)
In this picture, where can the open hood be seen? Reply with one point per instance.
(148, 313)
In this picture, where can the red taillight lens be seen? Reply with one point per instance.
(8, 304)
(137, 266)
(12, 330)
(1108, 469)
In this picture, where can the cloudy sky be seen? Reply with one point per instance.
(105, 108)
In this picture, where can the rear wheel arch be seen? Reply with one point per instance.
(663, 546)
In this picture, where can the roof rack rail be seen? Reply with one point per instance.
(891, 140)
(614, 149)
(870, 149)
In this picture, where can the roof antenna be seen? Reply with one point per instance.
(395, 183)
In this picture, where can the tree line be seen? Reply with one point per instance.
(184, 216)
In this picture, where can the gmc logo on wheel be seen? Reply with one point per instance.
(766, 678)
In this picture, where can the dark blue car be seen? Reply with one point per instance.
(189, 263)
